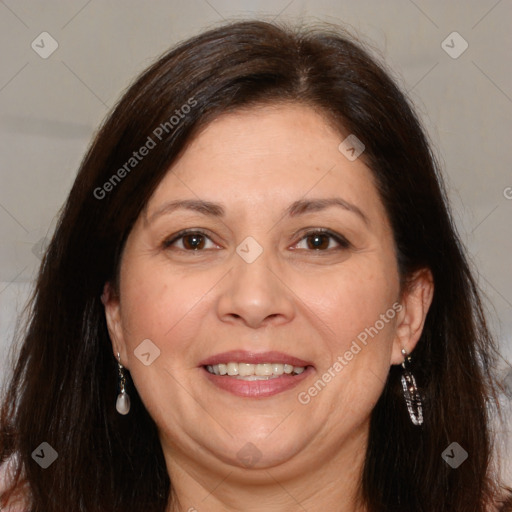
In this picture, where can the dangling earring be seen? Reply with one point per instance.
(411, 393)
(123, 400)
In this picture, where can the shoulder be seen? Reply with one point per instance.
(19, 499)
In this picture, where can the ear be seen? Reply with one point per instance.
(415, 302)
(110, 300)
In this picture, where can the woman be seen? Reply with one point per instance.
(256, 299)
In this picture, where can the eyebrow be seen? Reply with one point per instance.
(299, 207)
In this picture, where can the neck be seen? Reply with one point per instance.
(302, 483)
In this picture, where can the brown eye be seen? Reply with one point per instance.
(194, 242)
(320, 240)
(190, 241)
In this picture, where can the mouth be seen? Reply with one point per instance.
(253, 375)
(250, 371)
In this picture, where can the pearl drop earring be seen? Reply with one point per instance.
(123, 400)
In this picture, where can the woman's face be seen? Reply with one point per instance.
(260, 291)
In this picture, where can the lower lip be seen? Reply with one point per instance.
(257, 388)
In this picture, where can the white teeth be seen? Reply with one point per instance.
(249, 371)
(263, 369)
(278, 368)
(232, 368)
(288, 368)
(245, 369)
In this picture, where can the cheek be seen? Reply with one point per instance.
(146, 308)
(354, 300)
(164, 307)
(360, 312)
(163, 304)
(357, 357)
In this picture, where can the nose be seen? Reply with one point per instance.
(256, 294)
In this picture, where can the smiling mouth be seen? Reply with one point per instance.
(254, 371)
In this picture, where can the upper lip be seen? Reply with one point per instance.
(244, 356)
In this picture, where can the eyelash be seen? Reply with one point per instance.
(341, 240)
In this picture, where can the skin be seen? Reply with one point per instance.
(308, 302)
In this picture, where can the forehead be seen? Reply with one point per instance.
(285, 133)
(267, 156)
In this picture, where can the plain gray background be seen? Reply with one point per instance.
(50, 107)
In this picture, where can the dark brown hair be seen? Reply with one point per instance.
(63, 388)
